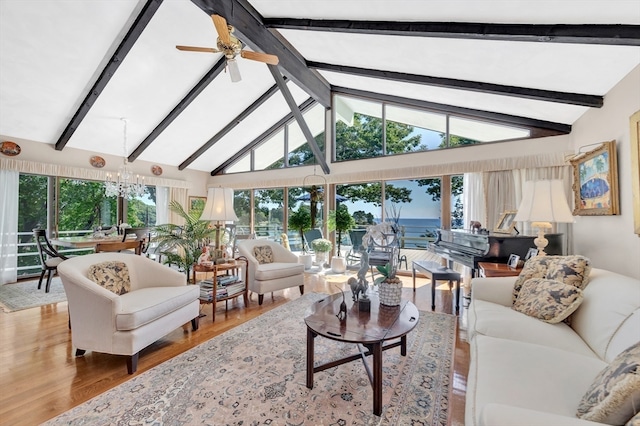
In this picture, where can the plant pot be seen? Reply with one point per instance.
(338, 265)
(321, 257)
(390, 294)
(306, 260)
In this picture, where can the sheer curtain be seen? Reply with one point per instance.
(9, 185)
(473, 204)
(179, 195)
(162, 205)
(500, 196)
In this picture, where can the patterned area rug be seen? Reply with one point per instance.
(255, 374)
(25, 295)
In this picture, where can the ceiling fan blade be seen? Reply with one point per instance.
(221, 27)
(262, 57)
(198, 49)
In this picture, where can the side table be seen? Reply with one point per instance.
(490, 269)
(234, 268)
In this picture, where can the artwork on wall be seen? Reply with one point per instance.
(197, 202)
(10, 149)
(595, 181)
(635, 168)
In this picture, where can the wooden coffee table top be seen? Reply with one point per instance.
(380, 324)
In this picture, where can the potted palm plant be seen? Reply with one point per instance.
(182, 244)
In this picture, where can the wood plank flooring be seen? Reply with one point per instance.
(40, 377)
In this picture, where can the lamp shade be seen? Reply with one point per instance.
(219, 206)
(544, 201)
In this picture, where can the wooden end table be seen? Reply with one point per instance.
(490, 269)
(437, 272)
(216, 269)
(369, 330)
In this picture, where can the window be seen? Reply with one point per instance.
(411, 130)
(268, 213)
(358, 128)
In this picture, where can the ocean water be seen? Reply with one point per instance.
(418, 230)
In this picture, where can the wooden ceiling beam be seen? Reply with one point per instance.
(143, 18)
(217, 68)
(475, 86)
(266, 134)
(226, 129)
(542, 127)
(609, 34)
(251, 31)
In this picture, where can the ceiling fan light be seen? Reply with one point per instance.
(234, 71)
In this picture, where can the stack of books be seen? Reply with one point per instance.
(227, 285)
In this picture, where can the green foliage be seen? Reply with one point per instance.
(433, 186)
(363, 218)
(182, 245)
(386, 271)
(341, 221)
(300, 220)
(370, 193)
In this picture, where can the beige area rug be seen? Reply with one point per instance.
(25, 295)
(254, 374)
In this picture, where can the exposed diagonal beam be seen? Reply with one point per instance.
(249, 28)
(476, 86)
(317, 152)
(109, 70)
(266, 134)
(177, 110)
(226, 129)
(616, 34)
(548, 127)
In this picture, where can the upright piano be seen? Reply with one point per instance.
(469, 248)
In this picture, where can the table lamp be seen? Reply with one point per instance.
(543, 202)
(219, 208)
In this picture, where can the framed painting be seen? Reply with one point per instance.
(595, 181)
(197, 203)
(505, 224)
(635, 169)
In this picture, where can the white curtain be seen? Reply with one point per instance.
(179, 195)
(563, 173)
(9, 184)
(162, 205)
(500, 195)
(474, 207)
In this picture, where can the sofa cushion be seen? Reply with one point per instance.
(272, 271)
(573, 270)
(146, 305)
(635, 421)
(614, 395)
(548, 300)
(489, 319)
(112, 275)
(263, 254)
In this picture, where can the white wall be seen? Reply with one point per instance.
(609, 241)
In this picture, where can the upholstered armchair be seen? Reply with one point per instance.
(119, 303)
(268, 273)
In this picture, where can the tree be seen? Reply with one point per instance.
(341, 221)
(363, 218)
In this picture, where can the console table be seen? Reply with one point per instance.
(491, 269)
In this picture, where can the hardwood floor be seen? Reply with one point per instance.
(40, 377)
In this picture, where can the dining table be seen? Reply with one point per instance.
(86, 241)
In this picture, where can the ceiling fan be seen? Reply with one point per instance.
(230, 46)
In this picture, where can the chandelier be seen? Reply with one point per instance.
(123, 184)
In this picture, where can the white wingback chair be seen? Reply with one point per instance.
(158, 302)
(283, 272)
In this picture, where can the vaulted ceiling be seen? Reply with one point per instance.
(70, 70)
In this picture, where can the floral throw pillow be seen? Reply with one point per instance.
(263, 254)
(536, 267)
(547, 300)
(573, 270)
(112, 275)
(614, 395)
(635, 421)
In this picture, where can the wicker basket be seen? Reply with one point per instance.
(390, 293)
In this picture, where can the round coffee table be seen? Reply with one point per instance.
(370, 330)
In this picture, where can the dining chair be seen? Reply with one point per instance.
(49, 257)
(121, 247)
(142, 234)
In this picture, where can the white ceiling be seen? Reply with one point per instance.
(52, 52)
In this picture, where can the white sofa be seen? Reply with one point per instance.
(525, 371)
(284, 272)
(159, 302)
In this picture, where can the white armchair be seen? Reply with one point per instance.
(283, 272)
(159, 301)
